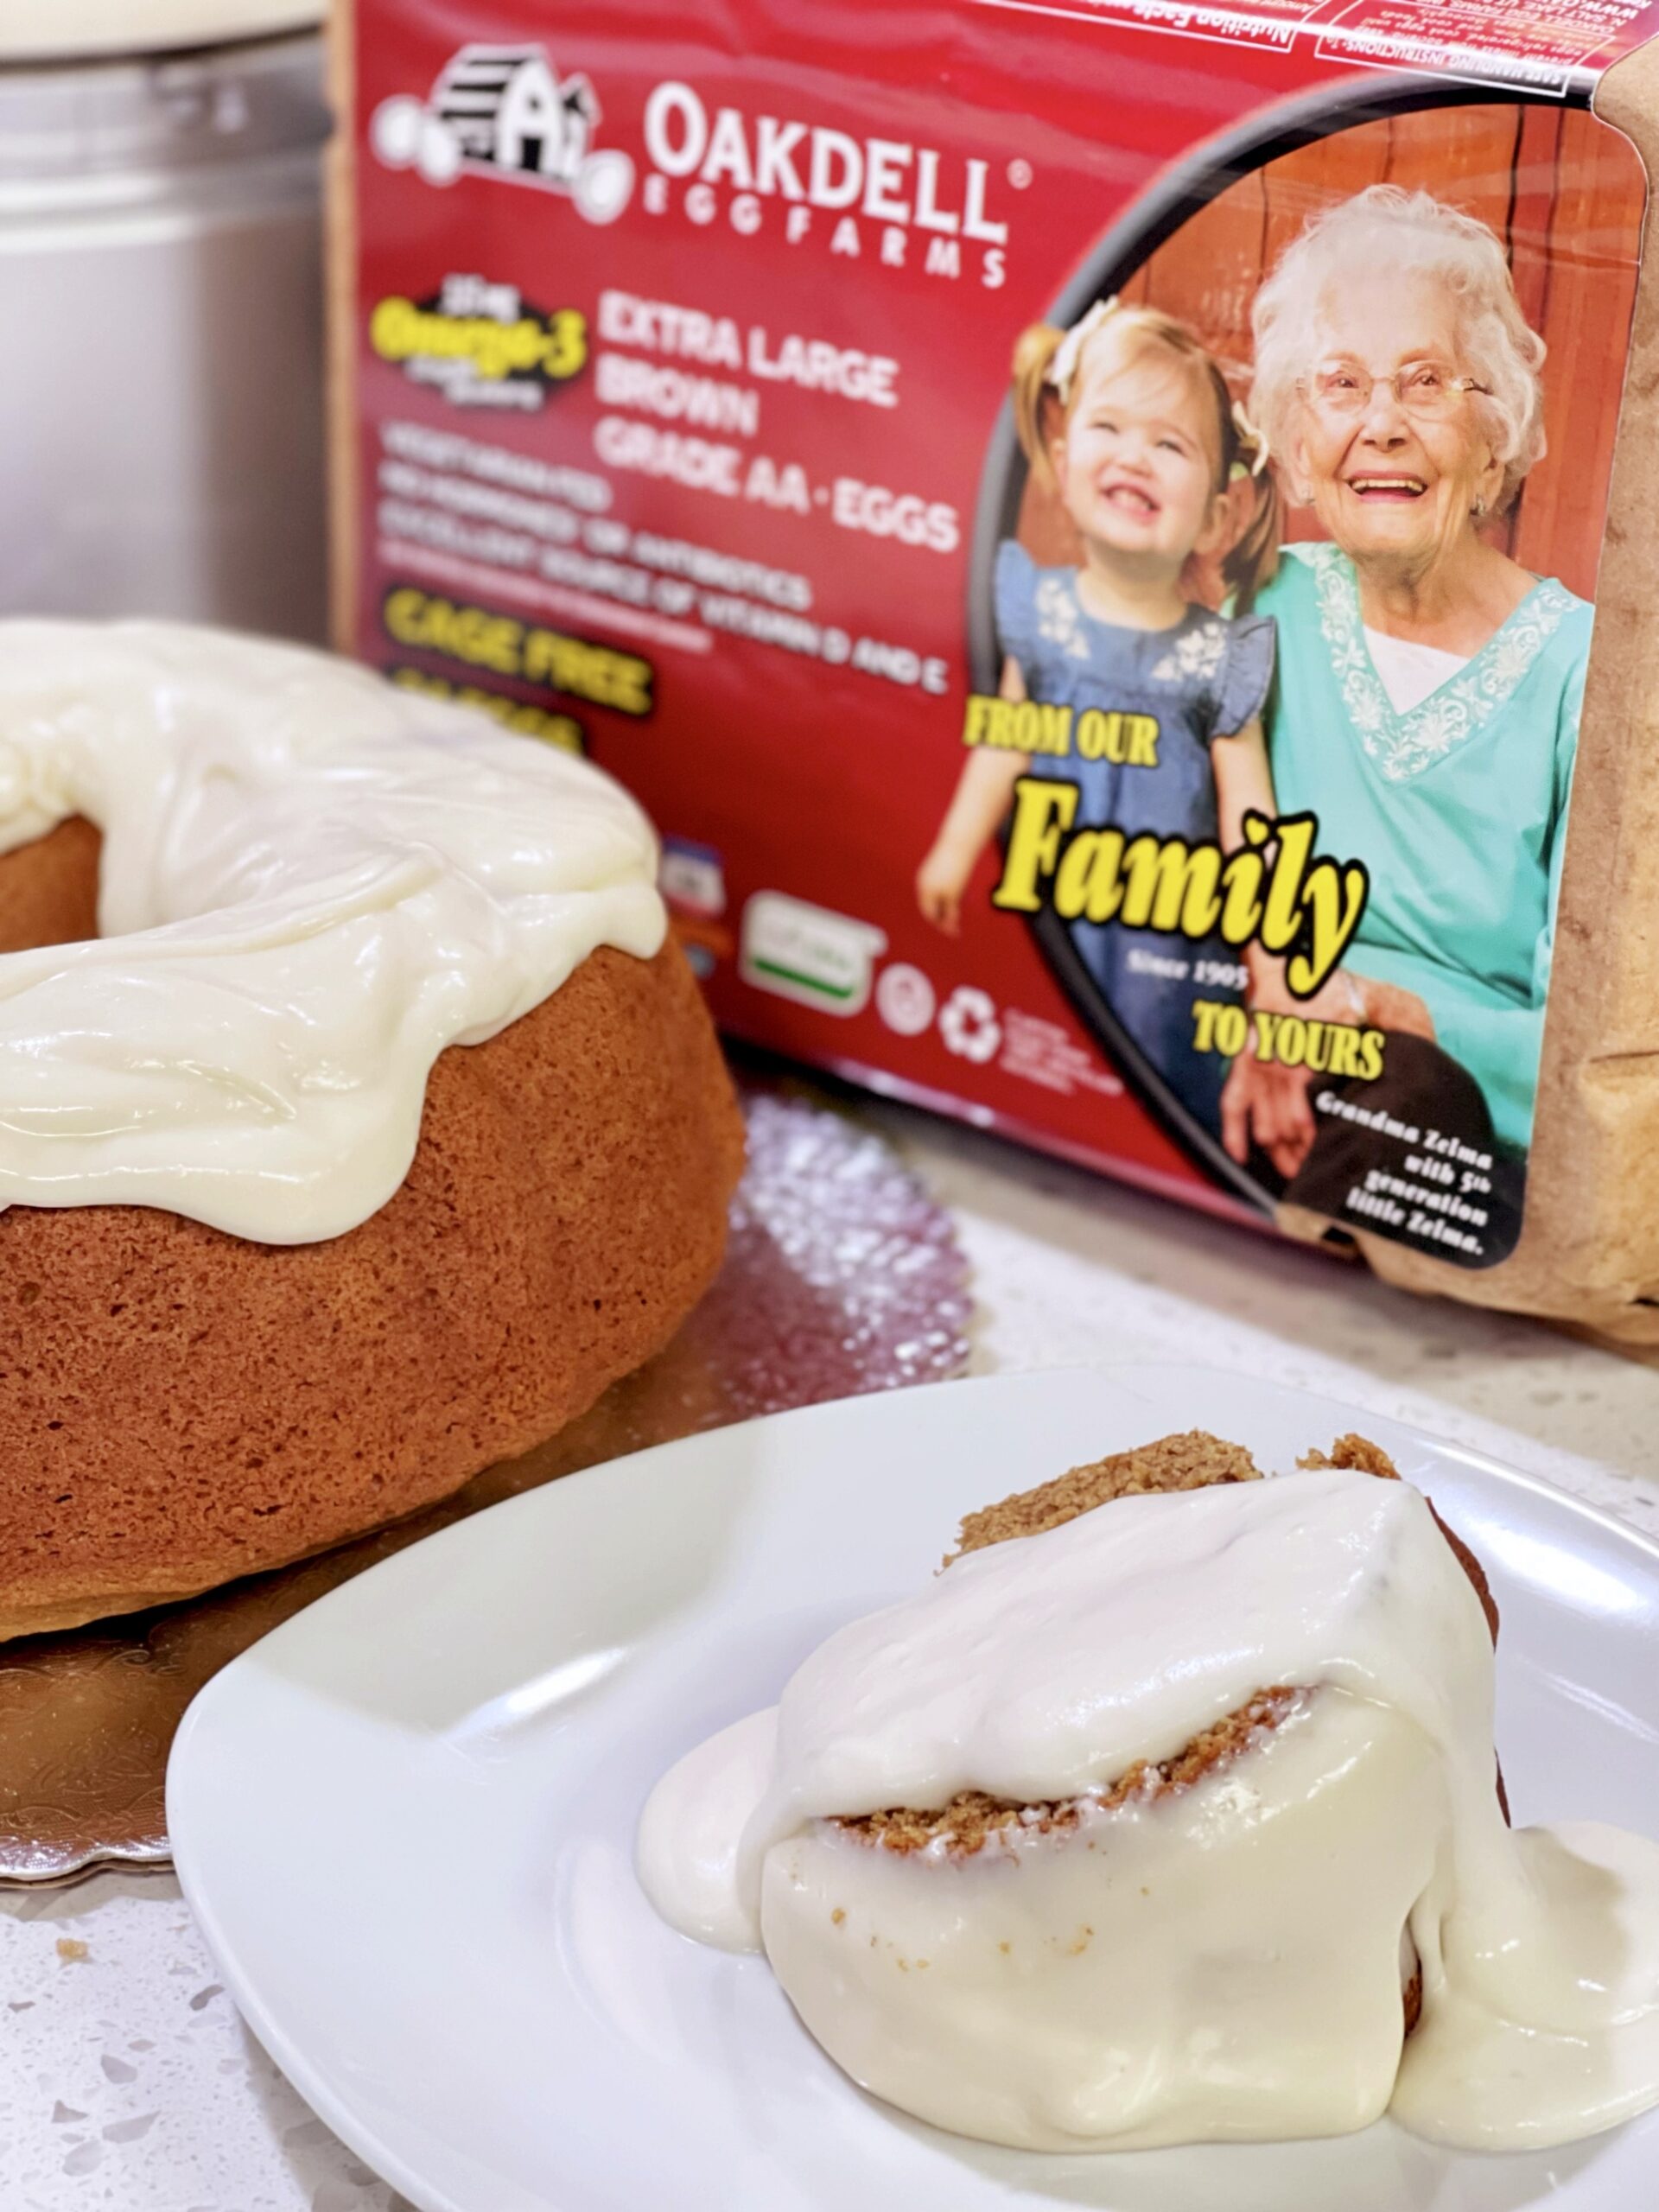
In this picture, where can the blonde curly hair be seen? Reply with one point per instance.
(1124, 334)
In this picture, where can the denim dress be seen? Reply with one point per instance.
(1204, 678)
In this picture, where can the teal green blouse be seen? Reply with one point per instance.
(1457, 808)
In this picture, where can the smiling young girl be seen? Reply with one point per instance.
(1129, 420)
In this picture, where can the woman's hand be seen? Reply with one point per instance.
(1267, 1103)
(1388, 1005)
(940, 882)
(1261, 1102)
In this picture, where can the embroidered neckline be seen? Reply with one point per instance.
(1405, 744)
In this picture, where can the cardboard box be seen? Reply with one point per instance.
(1113, 538)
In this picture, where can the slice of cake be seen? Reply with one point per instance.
(1061, 1916)
(1165, 1815)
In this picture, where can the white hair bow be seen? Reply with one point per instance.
(1068, 355)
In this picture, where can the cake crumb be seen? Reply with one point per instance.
(838, 1916)
(72, 1950)
(1192, 1461)
(1357, 1453)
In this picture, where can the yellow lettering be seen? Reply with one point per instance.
(600, 673)
(1345, 1049)
(398, 331)
(1090, 882)
(388, 329)
(1142, 732)
(469, 634)
(1286, 1040)
(1172, 886)
(401, 615)
(1334, 897)
(566, 349)
(1204, 1024)
(1042, 812)
(1055, 731)
(1271, 891)
(483, 639)
(1282, 919)
(1241, 912)
(1129, 740)
(528, 722)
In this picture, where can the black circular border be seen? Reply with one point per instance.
(1177, 196)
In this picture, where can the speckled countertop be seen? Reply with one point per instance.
(128, 2081)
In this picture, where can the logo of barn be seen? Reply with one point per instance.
(504, 111)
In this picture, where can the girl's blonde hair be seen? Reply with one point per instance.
(1240, 448)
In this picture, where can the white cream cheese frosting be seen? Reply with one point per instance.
(312, 882)
(1220, 1962)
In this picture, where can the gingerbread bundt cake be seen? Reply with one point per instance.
(380, 1129)
(1166, 1814)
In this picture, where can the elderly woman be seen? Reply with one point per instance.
(1427, 698)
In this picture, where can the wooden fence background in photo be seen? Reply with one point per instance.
(1563, 191)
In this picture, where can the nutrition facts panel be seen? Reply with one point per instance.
(1483, 41)
(1552, 49)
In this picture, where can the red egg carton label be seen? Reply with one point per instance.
(1079, 522)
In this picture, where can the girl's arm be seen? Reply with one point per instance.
(1243, 781)
(1261, 1101)
(983, 793)
(1245, 785)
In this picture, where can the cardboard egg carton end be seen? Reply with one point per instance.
(1114, 539)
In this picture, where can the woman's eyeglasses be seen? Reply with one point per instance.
(1424, 391)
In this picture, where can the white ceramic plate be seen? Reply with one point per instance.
(405, 1819)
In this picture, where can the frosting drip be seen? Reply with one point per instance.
(1221, 1962)
(311, 884)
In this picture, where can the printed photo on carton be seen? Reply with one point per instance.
(1291, 633)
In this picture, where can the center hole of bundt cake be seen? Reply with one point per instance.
(49, 890)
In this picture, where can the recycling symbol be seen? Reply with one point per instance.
(969, 1025)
